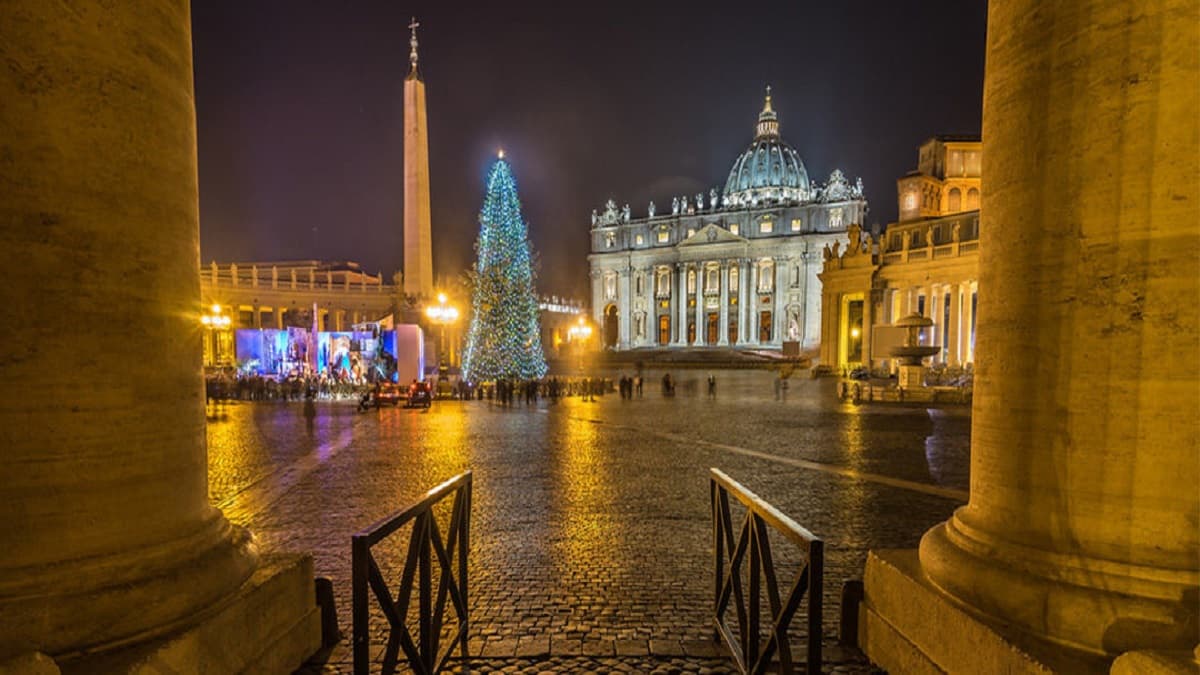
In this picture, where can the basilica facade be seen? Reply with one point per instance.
(733, 268)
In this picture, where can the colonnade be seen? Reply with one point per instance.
(709, 302)
(953, 331)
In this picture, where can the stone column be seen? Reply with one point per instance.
(701, 312)
(681, 307)
(598, 301)
(1081, 529)
(743, 283)
(954, 357)
(624, 307)
(723, 321)
(778, 317)
(752, 305)
(108, 536)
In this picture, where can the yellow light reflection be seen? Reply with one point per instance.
(589, 526)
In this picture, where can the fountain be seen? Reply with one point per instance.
(912, 353)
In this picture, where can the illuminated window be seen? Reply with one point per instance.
(691, 281)
(663, 236)
(610, 240)
(796, 223)
(835, 217)
(766, 226)
(954, 200)
(663, 282)
(910, 201)
(639, 240)
(766, 276)
(733, 279)
(610, 285)
(712, 280)
(691, 231)
(972, 199)
(733, 228)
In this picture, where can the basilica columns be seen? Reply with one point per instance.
(743, 300)
(681, 306)
(1081, 528)
(107, 533)
(723, 316)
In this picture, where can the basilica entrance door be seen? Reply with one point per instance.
(714, 327)
(664, 329)
(764, 327)
(733, 329)
(611, 326)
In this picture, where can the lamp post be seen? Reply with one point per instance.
(579, 333)
(442, 314)
(215, 320)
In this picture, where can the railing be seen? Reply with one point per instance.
(749, 652)
(426, 655)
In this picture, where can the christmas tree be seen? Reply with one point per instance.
(504, 339)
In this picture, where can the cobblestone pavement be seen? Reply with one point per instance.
(591, 530)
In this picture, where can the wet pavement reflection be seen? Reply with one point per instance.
(591, 520)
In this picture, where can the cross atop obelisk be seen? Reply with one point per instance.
(412, 44)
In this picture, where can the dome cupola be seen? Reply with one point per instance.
(769, 171)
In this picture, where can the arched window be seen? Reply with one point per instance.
(712, 282)
(691, 280)
(663, 282)
(972, 199)
(954, 200)
(733, 279)
(766, 276)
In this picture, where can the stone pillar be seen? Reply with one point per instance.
(752, 306)
(108, 536)
(723, 320)
(741, 297)
(256, 321)
(624, 307)
(778, 315)
(954, 357)
(1081, 528)
(681, 335)
(700, 319)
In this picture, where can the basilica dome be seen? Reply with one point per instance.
(769, 170)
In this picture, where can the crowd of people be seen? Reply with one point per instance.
(225, 386)
(229, 386)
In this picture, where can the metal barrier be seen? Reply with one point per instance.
(750, 655)
(427, 655)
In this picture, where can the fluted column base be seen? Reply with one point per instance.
(1087, 604)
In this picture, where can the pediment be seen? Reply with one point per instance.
(711, 234)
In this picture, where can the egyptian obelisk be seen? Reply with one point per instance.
(418, 244)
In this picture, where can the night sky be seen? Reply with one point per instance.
(299, 107)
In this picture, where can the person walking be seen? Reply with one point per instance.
(712, 386)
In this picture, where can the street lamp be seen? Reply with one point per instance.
(214, 321)
(579, 333)
(442, 314)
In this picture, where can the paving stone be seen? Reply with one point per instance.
(631, 647)
(598, 648)
(533, 647)
(666, 648)
(703, 648)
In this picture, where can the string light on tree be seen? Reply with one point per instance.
(504, 339)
